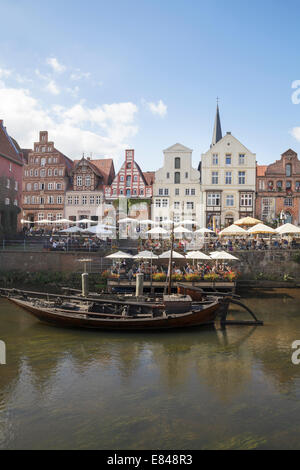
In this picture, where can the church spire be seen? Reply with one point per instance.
(217, 135)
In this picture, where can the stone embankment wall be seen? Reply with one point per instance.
(252, 264)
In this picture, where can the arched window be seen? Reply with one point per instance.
(288, 170)
(177, 163)
(177, 177)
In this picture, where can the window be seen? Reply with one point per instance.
(177, 177)
(36, 172)
(43, 161)
(128, 180)
(241, 159)
(61, 172)
(16, 185)
(193, 192)
(50, 160)
(142, 192)
(31, 173)
(190, 205)
(288, 201)
(177, 163)
(279, 185)
(50, 186)
(92, 200)
(215, 159)
(58, 186)
(229, 200)
(297, 186)
(129, 166)
(242, 177)
(176, 191)
(186, 175)
(98, 200)
(42, 186)
(40, 216)
(36, 186)
(76, 200)
(168, 175)
(121, 178)
(8, 183)
(70, 200)
(228, 177)
(50, 200)
(135, 178)
(165, 203)
(55, 171)
(288, 185)
(79, 180)
(43, 173)
(134, 192)
(166, 192)
(213, 199)
(84, 200)
(214, 177)
(157, 203)
(88, 181)
(288, 170)
(28, 186)
(58, 216)
(50, 172)
(176, 205)
(246, 200)
(160, 191)
(59, 199)
(10, 167)
(228, 160)
(187, 192)
(32, 199)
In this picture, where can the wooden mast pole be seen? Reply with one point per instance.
(171, 259)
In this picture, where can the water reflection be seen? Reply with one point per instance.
(179, 390)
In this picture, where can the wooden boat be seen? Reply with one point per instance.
(204, 315)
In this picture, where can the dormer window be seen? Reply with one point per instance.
(288, 170)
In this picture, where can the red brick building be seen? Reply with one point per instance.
(45, 181)
(133, 187)
(278, 190)
(11, 163)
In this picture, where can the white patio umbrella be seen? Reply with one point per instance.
(167, 255)
(127, 220)
(119, 255)
(97, 229)
(147, 222)
(26, 221)
(222, 255)
(146, 255)
(45, 221)
(85, 221)
(167, 222)
(157, 231)
(287, 229)
(64, 221)
(233, 230)
(204, 230)
(197, 255)
(181, 229)
(261, 228)
(72, 230)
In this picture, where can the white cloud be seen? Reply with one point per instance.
(73, 91)
(52, 88)
(55, 65)
(5, 73)
(78, 75)
(103, 130)
(158, 108)
(296, 133)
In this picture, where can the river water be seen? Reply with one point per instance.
(201, 389)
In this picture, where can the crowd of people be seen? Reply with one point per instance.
(75, 244)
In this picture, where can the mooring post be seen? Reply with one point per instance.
(139, 285)
(85, 284)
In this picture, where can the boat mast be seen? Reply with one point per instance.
(171, 259)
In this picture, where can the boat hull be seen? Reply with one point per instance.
(57, 317)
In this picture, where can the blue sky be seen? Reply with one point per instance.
(102, 76)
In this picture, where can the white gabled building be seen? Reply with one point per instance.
(176, 188)
(228, 179)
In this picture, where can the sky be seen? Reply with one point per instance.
(145, 74)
